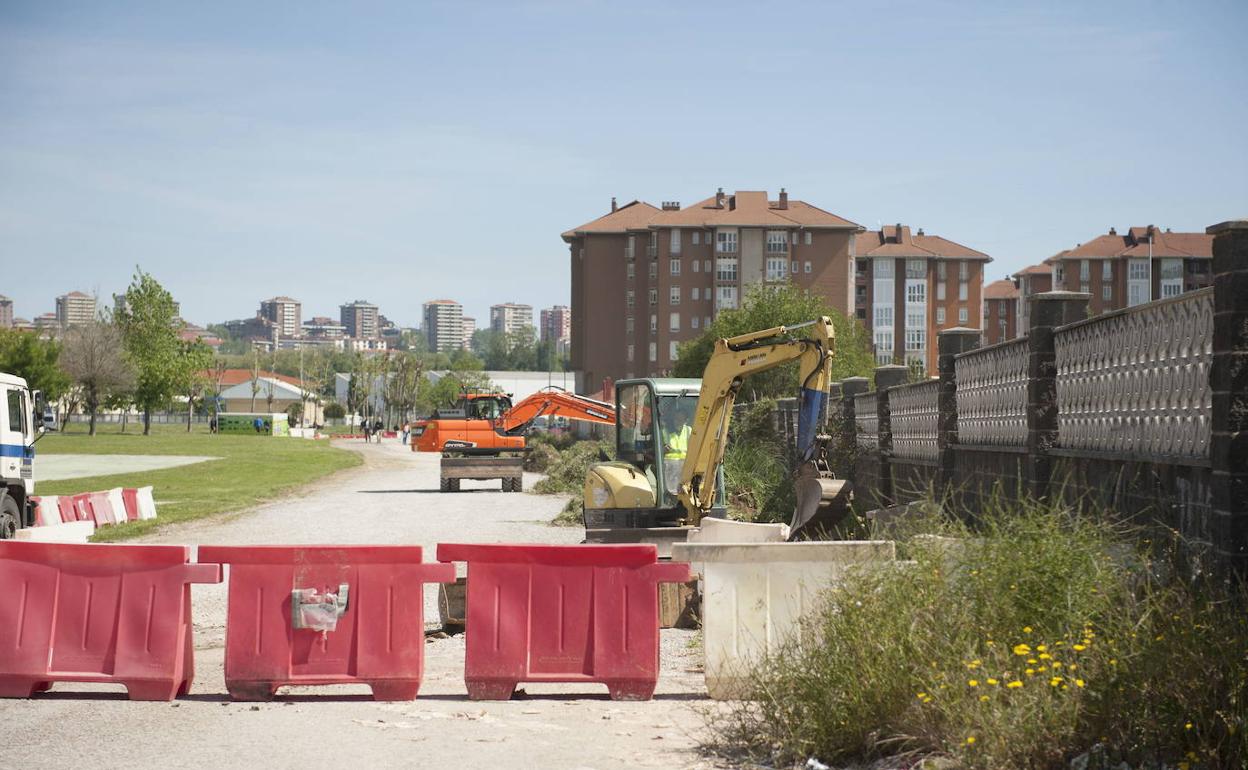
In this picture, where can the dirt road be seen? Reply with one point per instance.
(392, 498)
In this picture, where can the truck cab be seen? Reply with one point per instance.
(20, 422)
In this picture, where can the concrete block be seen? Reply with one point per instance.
(756, 594)
(69, 532)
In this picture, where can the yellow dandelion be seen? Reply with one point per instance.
(1041, 648)
(1187, 726)
(1055, 681)
(921, 695)
(970, 739)
(1026, 629)
(1014, 685)
(1056, 664)
(991, 681)
(983, 699)
(990, 643)
(1032, 661)
(1042, 668)
(1080, 648)
(1022, 649)
(1044, 655)
(973, 683)
(1073, 666)
(1030, 672)
(1078, 683)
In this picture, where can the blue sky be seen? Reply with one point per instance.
(400, 152)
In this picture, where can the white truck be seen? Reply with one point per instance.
(21, 422)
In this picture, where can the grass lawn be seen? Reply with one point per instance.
(252, 469)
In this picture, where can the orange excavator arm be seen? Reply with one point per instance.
(553, 401)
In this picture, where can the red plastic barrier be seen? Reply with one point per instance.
(571, 613)
(68, 510)
(130, 497)
(101, 509)
(97, 613)
(378, 639)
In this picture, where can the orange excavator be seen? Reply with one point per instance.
(481, 437)
(488, 423)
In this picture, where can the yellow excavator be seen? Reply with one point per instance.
(671, 435)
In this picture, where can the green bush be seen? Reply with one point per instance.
(1041, 638)
(334, 411)
(540, 457)
(757, 478)
(567, 475)
(571, 515)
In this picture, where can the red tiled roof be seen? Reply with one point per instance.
(626, 217)
(1000, 290)
(1135, 243)
(1035, 270)
(897, 241)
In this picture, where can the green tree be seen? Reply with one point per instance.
(192, 376)
(770, 305)
(146, 318)
(26, 355)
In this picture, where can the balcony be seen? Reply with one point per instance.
(652, 252)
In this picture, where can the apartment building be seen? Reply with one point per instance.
(6, 312)
(1001, 305)
(1035, 279)
(909, 286)
(74, 308)
(361, 319)
(323, 328)
(285, 313)
(646, 278)
(1134, 267)
(444, 325)
(510, 317)
(556, 326)
(470, 329)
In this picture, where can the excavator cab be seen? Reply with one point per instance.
(654, 420)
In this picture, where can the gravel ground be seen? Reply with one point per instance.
(392, 498)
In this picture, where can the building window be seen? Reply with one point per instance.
(962, 291)
(884, 340)
(674, 247)
(726, 241)
(777, 268)
(630, 268)
(726, 269)
(916, 292)
(697, 236)
(940, 316)
(654, 322)
(652, 250)
(631, 350)
(630, 302)
(706, 322)
(1059, 276)
(883, 315)
(631, 249)
(727, 297)
(860, 294)
(696, 265)
(861, 265)
(671, 350)
(696, 293)
(915, 339)
(1004, 306)
(793, 267)
(654, 296)
(808, 266)
(1139, 281)
(940, 291)
(654, 351)
(693, 321)
(628, 325)
(916, 268)
(1085, 270)
(1107, 270)
(652, 270)
(963, 316)
(674, 266)
(1171, 277)
(706, 265)
(777, 242)
(1107, 292)
(673, 322)
(673, 295)
(794, 237)
(1004, 325)
(940, 270)
(963, 271)
(808, 238)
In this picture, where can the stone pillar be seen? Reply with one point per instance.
(889, 376)
(1228, 379)
(847, 430)
(1048, 310)
(949, 343)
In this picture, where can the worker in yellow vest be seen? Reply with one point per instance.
(676, 445)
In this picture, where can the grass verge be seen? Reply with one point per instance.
(251, 469)
(1041, 640)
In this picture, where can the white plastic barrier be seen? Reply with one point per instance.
(754, 594)
(712, 530)
(147, 506)
(68, 532)
(118, 503)
(49, 511)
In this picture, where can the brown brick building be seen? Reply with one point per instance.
(646, 278)
(1000, 312)
(909, 286)
(1140, 265)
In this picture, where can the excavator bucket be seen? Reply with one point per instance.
(823, 502)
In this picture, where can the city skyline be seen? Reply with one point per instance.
(230, 145)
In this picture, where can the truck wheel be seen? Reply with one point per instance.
(454, 485)
(517, 485)
(9, 515)
(444, 485)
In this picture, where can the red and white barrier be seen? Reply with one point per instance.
(114, 506)
(47, 510)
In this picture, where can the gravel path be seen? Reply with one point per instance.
(392, 498)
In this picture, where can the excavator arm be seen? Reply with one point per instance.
(734, 359)
(553, 401)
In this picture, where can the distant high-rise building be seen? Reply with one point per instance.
(322, 327)
(510, 317)
(75, 308)
(46, 322)
(361, 319)
(557, 326)
(6, 312)
(444, 325)
(470, 328)
(285, 313)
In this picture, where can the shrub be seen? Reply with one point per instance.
(567, 475)
(1044, 637)
(540, 457)
(571, 515)
(334, 411)
(757, 478)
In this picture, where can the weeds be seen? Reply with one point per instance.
(1041, 637)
